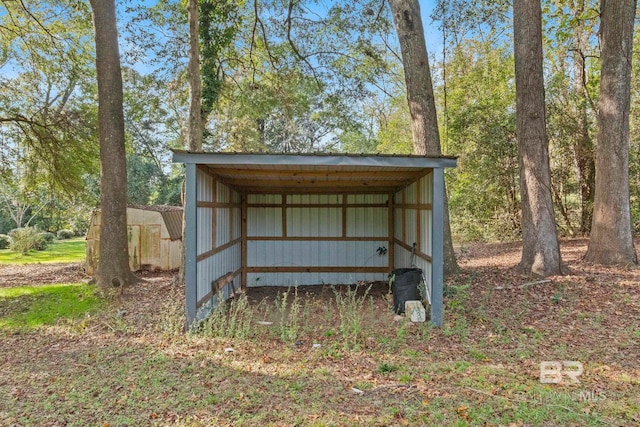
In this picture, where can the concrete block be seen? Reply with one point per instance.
(416, 311)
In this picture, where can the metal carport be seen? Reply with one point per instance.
(284, 219)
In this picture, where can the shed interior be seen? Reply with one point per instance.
(288, 220)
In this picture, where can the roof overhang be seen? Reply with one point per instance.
(314, 173)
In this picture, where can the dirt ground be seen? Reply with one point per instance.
(29, 274)
(499, 325)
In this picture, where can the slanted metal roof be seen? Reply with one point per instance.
(316, 172)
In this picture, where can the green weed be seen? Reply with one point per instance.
(290, 320)
(387, 368)
(351, 309)
(230, 319)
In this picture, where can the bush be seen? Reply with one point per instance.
(25, 239)
(5, 241)
(65, 234)
(49, 237)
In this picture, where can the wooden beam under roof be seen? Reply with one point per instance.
(230, 172)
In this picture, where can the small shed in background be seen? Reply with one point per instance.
(155, 238)
(307, 219)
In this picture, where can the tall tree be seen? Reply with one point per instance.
(196, 127)
(47, 116)
(113, 265)
(422, 107)
(540, 251)
(611, 240)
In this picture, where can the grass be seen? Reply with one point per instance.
(59, 251)
(28, 307)
(482, 368)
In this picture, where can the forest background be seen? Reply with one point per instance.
(296, 77)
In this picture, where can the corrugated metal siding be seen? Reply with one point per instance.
(223, 193)
(302, 279)
(397, 223)
(367, 198)
(229, 260)
(411, 226)
(401, 257)
(314, 222)
(367, 222)
(214, 267)
(315, 253)
(426, 183)
(173, 221)
(205, 186)
(223, 226)
(425, 239)
(411, 194)
(264, 198)
(264, 222)
(205, 237)
(236, 220)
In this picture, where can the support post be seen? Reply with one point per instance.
(390, 225)
(243, 244)
(437, 247)
(190, 243)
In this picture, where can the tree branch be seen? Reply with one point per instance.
(293, 45)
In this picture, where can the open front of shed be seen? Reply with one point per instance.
(306, 219)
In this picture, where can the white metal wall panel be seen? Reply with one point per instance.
(426, 182)
(425, 239)
(205, 186)
(205, 238)
(301, 279)
(212, 268)
(401, 257)
(411, 194)
(264, 198)
(223, 226)
(314, 222)
(264, 222)
(236, 218)
(411, 226)
(315, 253)
(367, 222)
(205, 276)
(367, 198)
(223, 193)
(398, 220)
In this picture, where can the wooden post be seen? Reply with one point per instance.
(391, 230)
(243, 237)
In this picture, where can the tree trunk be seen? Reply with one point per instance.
(583, 152)
(611, 240)
(422, 107)
(113, 264)
(196, 124)
(541, 251)
(196, 127)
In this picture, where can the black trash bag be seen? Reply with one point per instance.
(404, 286)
